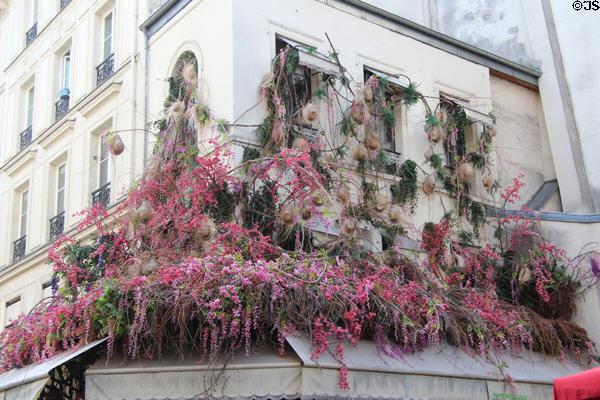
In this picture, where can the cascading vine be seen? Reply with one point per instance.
(219, 257)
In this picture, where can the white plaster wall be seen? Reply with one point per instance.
(579, 40)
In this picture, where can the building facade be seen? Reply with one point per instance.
(74, 70)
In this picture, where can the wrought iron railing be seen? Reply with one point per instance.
(57, 226)
(62, 107)
(105, 70)
(101, 195)
(25, 138)
(395, 159)
(30, 35)
(19, 248)
(64, 3)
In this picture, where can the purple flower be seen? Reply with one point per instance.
(595, 267)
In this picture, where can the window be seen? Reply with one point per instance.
(29, 113)
(13, 309)
(60, 189)
(301, 85)
(103, 161)
(107, 37)
(23, 214)
(387, 115)
(458, 132)
(66, 70)
(47, 290)
(34, 11)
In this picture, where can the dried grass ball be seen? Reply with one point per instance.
(429, 184)
(310, 113)
(360, 152)
(435, 134)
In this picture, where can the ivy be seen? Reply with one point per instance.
(405, 189)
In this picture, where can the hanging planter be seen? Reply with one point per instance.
(349, 227)
(307, 207)
(143, 215)
(343, 193)
(310, 113)
(465, 171)
(360, 152)
(488, 181)
(396, 215)
(381, 202)
(360, 112)
(429, 184)
(277, 134)
(205, 232)
(442, 117)
(115, 144)
(286, 215)
(435, 134)
(373, 142)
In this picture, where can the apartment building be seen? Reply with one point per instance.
(69, 75)
(75, 70)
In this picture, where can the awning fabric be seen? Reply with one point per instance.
(443, 373)
(26, 383)
(313, 60)
(584, 385)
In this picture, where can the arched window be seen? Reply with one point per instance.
(186, 67)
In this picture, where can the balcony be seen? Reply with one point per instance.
(395, 161)
(101, 196)
(57, 226)
(19, 248)
(105, 70)
(62, 107)
(31, 35)
(63, 4)
(25, 138)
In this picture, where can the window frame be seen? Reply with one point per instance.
(110, 13)
(103, 160)
(23, 212)
(66, 70)
(7, 314)
(396, 88)
(61, 205)
(29, 106)
(34, 12)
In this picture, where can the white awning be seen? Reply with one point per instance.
(312, 59)
(26, 383)
(446, 373)
(473, 113)
(393, 80)
(264, 374)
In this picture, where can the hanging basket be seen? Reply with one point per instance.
(435, 134)
(116, 145)
(429, 184)
(360, 152)
(310, 113)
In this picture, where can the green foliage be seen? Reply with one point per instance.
(411, 94)
(389, 119)
(176, 85)
(250, 153)
(406, 190)
(320, 94)
(261, 210)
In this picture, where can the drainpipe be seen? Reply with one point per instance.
(133, 93)
(146, 90)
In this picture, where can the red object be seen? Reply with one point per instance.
(582, 386)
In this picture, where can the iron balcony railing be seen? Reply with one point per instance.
(62, 107)
(105, 70)
(64, 3)
(19, 248)
(101, 195)
(395, 161)
(25, 138)
(57, 226)
(30, 35)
